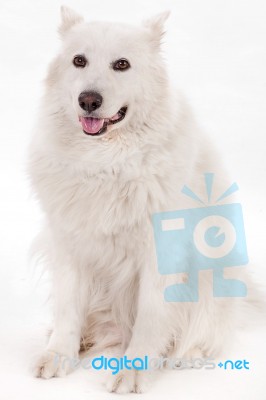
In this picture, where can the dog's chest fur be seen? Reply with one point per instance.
(92, 210)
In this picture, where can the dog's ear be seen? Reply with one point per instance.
(156, 27)
(69, 18)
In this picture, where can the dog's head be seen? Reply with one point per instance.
(108, 75)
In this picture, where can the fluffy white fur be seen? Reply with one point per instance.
(98, 194)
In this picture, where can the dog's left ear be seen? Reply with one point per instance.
(69, 18)
(156, 27)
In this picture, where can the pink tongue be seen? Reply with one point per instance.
(91, 125)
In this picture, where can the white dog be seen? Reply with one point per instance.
(114, 144)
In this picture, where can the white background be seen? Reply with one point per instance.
(216, 52)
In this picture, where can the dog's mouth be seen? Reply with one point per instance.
(98, 126)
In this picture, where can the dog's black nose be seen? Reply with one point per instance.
(90, 101)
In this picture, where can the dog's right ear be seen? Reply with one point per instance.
(156, 27)
(69, 18)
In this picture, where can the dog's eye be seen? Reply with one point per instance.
(79, 61)
(121, 65)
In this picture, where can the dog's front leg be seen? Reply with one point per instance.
(151, 333)
(64, 343)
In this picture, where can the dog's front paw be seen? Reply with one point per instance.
(49, 365)
(128, 381)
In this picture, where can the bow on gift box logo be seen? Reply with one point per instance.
(209, 237)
